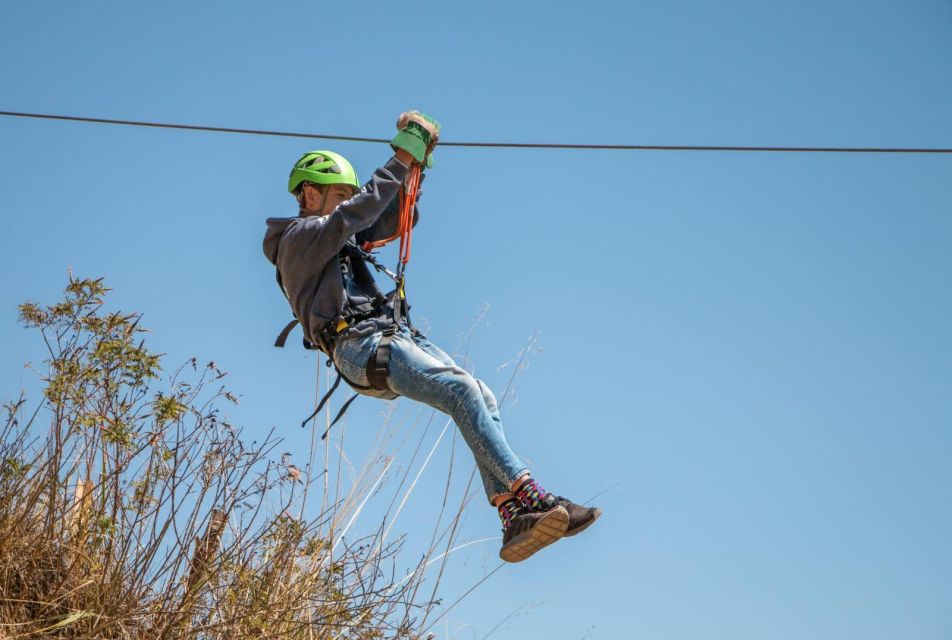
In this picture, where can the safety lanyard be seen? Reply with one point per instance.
(404, 231)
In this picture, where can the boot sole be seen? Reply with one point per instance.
(550, 528)
(571, 532)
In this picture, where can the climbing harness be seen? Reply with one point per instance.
(379, 365)
(356, 259)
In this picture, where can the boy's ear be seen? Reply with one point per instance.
(316, 192)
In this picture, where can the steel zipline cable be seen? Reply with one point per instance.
(492, 145)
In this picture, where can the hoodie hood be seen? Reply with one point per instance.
(272, 237)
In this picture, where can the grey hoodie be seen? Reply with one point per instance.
(305, 252)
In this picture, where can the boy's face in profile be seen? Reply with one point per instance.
(333, 196)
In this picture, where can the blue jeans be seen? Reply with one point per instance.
(421, 371)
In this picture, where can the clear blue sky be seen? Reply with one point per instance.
(760, 344)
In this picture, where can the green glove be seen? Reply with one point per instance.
(418, 134)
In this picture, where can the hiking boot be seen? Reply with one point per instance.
(528, 532)
(580, 518)
(537, 500)
(524, 532)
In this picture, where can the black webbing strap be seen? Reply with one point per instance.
(283, 336)
(379, 365)
(320, 405)
(398, 301)
(388, 335)
(340, 414)
(327, 396)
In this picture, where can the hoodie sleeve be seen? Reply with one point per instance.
(360, 212)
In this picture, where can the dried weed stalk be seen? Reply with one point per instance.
(140, 513)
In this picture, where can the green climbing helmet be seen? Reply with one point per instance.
(323, 167)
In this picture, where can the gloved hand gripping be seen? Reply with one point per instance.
(417, 134)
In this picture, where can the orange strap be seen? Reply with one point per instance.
(404, 230)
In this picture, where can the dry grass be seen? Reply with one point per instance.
(132, 512)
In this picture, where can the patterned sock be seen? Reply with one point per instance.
(532, 496)
(509, 510)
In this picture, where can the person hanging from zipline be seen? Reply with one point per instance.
(323, 265)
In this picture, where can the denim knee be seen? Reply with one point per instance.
(488, 398)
